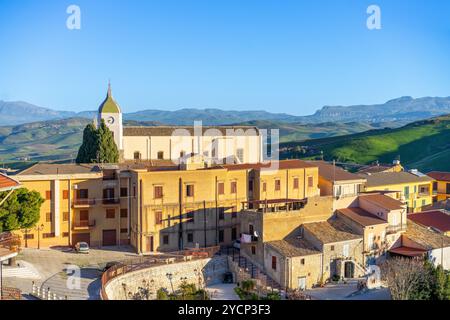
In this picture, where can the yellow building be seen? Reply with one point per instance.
(82, 203)
(414, 188)
(441, 187)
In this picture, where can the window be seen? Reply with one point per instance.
(253, 249)
(447, 187)
(65, 234)
(274, 263)
(48, 217)
(110, 213)
(264, 187)
(277, 185)
(158, 192)
(165, 239)
(158, 217)
(48, 195)
(82, 194)
(137, 155)
(124, 213)
(332, 248)
(221, 188)
(424, 202)
(221, 213)
(251, 229)
(48, 235)
(190, 237)
(302, 261)
(295, 183)
(28, 236)
(124, 230)
(406, 192)
(234, 212)
(221, 235)
(233, 187)
(134, 191)
(310, 182)
(108, 194)
(123, 192)
(345, 250)
(233, 234)
(160, 155)
(250, 186)
(65, 194)
(66, 216)
(189, 190)
(84, 215)
(240, 154)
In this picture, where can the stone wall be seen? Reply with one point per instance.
(211, 272)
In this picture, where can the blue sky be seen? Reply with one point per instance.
(275, 55)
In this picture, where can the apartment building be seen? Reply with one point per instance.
(413, 187)
(441, 185)
(82, 203)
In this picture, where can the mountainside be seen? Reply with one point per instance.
(401, 111)
(424, 145)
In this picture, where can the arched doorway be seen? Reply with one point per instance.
(349, 270)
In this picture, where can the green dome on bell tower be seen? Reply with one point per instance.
(109, 105)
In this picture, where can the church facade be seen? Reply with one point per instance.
(214, 145)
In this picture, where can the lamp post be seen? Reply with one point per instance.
(26, 232)
(39, 229)
(170, 276)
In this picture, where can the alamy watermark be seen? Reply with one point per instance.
(73, 21)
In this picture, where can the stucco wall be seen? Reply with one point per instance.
(212, 269)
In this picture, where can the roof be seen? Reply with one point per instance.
(109, 105)
(425, 237)
(332, 172)
(7, 183)
(375, 169)
(391, 178)
(190, 131)
(408, 251)
(439, 175)
(361, 216)
(60, 169)
(331, 231)
(293, 247)
(383, 201)
(283, 164)
(437, 219)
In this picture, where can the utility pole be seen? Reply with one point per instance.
(204, 220)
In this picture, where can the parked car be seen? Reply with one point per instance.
(237, 244)
(82, 247)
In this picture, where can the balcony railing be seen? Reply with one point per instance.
(396, 228)
(84, 224)
(111, 200)
(83, 202)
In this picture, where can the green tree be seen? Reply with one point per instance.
(87, 152)
(98, 145)
(21, 209)
(107, 148)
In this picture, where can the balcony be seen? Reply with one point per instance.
(396, 228)
(111, 201)
(83, 202)
(83, 224)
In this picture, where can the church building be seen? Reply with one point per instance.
(214, 145)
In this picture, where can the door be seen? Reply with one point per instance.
(109, 238)
(81, 237)
(349, 270)
(302, 283)
(150, 244)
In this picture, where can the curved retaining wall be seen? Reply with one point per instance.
(212, 272)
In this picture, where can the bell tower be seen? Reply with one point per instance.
(110, 112)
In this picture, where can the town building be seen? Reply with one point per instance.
(438, 220)
(441, 186)
(379, 168)
(413, 187)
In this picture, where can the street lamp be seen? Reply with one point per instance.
(170, 276)
(39, 229)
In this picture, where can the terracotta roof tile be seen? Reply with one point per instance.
(383, 201)
(439, 175)
(361, 216)
(293, 247)
(437, 219)
(334, 173)
(7, 183)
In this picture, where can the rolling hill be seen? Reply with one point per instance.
(424, 145)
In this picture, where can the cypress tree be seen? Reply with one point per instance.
(87, 152)
(98, 145)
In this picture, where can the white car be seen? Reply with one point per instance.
(82, 247)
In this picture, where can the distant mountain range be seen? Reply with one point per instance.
(403, 110)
